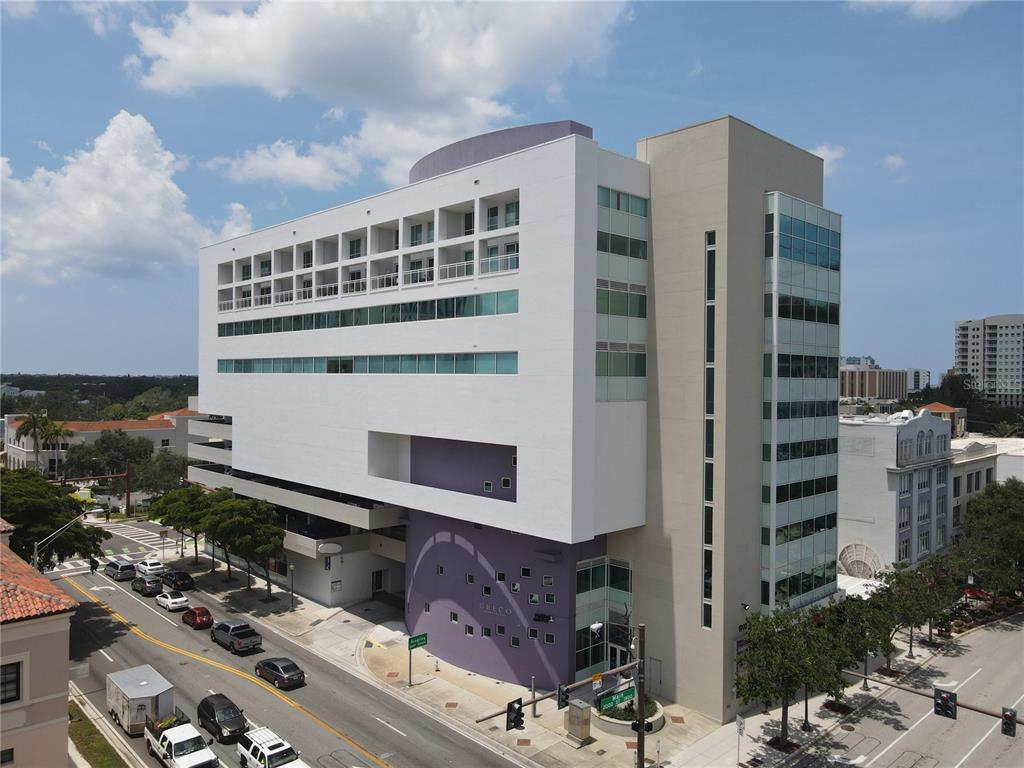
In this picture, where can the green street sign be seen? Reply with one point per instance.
(614, 699)
(417, 641)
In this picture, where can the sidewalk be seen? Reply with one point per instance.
(369, 639)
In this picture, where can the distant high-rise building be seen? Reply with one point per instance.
(918, 379)
(991, 352)
(869, 382)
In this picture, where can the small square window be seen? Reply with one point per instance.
(506, 482)
(440, 570)
(499, 575)
(547, 581)
(485, 590)
(525, 573)
(469, 630)
(470, 578)
(534, 598)
(485, 631)
(513, 641)
(7, 756)
(549, 638)
(499, 629)
(165, 443)
(453, 617)
(488, 486)
(532, 633)
(514, 459)
(426, 607)
(549, 598)
(515, 587)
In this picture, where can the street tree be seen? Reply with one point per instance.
(184, 510)
(901, 603)
(775, 663)
(849, 624)
(36, 509)
(991, 544)
(264, 539)
(33, 424)
(937, 573)
(162, 472)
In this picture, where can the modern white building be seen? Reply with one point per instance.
(506, 410)
(991, 351)
(918, 379)
(894, 490)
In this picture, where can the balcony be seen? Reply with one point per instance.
(283, 297)
(380, 282)
(216, 451)
(303, 294)
(455, 271)
(492, 264)
(243, 303)
(416, 276)
(326, 291)
(360, 513)
(358, 285)
(225, 306)
(264, 300)
(211, 428)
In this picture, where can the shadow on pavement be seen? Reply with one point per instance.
(93, 629)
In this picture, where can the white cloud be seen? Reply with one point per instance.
(102, 16)
(18, 9)
(923, 10)
(831, 154)
(894, 162)
(697, 70)
(239, 221)
(337, 114)
(112, 209)
(554, 93)
(322, 166)
(447, 69)
(44, 147)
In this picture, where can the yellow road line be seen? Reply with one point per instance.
(227, 668)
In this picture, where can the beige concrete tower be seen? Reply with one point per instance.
(707, 553)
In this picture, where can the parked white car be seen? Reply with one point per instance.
(150, 567)
(172, 601)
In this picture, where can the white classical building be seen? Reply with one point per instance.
(894, 490)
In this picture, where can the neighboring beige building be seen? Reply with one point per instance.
(872, 383)
(34, 638)
(957, 417)
(742, 396)
(979, 460)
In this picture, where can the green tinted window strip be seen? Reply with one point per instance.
(475, 305)
(497, 363)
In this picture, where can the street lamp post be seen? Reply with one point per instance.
(51, 537)
(291, 584)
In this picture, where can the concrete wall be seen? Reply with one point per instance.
(457, 465)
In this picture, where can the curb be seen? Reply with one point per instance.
(106, 729)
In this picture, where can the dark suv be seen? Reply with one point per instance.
(147, 586)
(219, 715)
(178, 580)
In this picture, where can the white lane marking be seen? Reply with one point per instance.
(106, 656)
(147, 607)
(987, 734)
(100, 589)
(950, 684)
(923, 718)
(389, 725)
(211, 691)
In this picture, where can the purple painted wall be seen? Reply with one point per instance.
(486, 146)
(462, 548)
(457, 465)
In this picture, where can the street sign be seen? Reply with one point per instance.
(614, 699)
(417, 641)
(597, 679)
(163, 533)
(740, 725)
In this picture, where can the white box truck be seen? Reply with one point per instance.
(137, 693)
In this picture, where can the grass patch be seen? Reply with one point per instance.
(90, 742)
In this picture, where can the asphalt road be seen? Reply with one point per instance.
(985, 669)
(336, 720)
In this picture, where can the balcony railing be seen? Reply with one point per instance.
(225, 306)
(425, 275)
(506, 263)
(264, 300)
(265, 272)
(243, 303)
(384, 281)
(282, 297)
(303, 294)
(323, 291)
(358, 285)
(452, 271)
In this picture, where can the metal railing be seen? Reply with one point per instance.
(425, 275)
(303, 294)
(502, 263)
(225, 306)
(283, 296)
(263, 300)
(384, 281)
(243, 303)
(323, 291)
(452, 271)
(357, 285)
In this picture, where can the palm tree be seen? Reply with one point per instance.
(33, 425)
(1003, 429)
(54, 434)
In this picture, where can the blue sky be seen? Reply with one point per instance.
(132, 134)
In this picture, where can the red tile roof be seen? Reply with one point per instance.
(938, 407)
(27, 594)
(179, 412)
(5, 527)
(99, 426)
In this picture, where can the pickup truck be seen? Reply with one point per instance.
(176, 743)
(236, 635)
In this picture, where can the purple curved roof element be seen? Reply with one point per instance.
(487, 146)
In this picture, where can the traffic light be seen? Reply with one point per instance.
(514, 714)
(945, 703)
(1009, 721)
(563, 697)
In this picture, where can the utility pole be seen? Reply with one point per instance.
(641, 702)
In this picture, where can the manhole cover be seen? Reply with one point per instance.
(846, 727)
